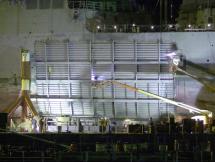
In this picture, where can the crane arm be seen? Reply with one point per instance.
(179, 104)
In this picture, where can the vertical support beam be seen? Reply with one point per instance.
(91, 70)
(47, 71)
(72, 108)
(126, 105)
(159, 72)
(103, 106)
(148, 104)
(59, 97)
(82, 105)
(167, 106)
(135, 58)
(68, 70)
(148, 110)
(136, 109)
(126, 109)
(113, 110)
(61, 111)
(135, 84)
(135, 51)
(113, 76)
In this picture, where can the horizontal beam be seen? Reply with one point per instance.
(101, 62)
(94, 100)
(89, 81)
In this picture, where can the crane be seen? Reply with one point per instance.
(101, 84)
(175, 66)
(23, 100)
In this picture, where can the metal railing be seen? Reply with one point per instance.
(132, 28)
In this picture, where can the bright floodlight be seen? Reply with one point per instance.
(133, 24)
(189, 26)
(170, 25)
(152, 27)
(115, 27)
(171, 55)
(98, 27)
(176, 61)
(209, 25)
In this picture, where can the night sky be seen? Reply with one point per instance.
(150, 7)
(153, 7)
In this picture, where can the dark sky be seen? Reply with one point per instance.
(153, 6)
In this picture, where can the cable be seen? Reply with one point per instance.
(156, 5)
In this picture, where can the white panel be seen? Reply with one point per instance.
(85, 90)
(75, 89)
(80, 71)
(124, 75)
(56, 51)
(88, 108)
(124, 51)
(166, 90)
(66, 108)
(107, 92)
(148, 68)
(120, 109)
(129, 93)
(166, 76)
(147, 51)
(153, 88)
(102, 72)
(165, 48)
(143, 86)
(108, 108)
(142, 110)
(39, 51)
(98, 93)
(154, 110)
(102, 51)
(147, 75)
(70, 71)
(99, 109)
(131, 110)
(57, 71)
(58, 89)
(119, 92)
(41, 71)
(126, 68)
(79, 51)
(77, 108)
(41, 89)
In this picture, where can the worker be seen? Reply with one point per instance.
(81, 128)
(151, 127)
(41, 125)
(34, 125)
